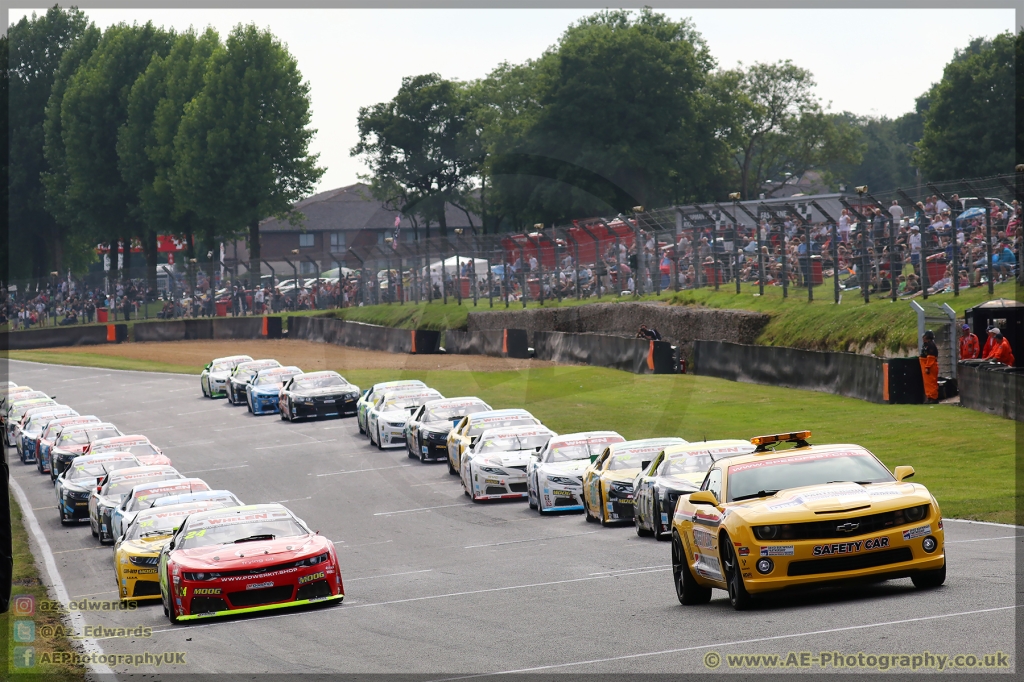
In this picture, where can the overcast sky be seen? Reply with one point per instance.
(871, 62)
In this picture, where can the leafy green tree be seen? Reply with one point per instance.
(241, 152)
(969, 126)
(36, 47)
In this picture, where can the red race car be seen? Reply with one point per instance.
(245, 559)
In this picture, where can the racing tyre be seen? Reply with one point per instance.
(203, 386)
(380, 441)
(63, 518)
(171, 614)
(640, 530)
(688, 590)
(926, 580)
(738, 595)
(533, 505)
(451, 469)
(586, 508)
(248, 405)
(94, 533)
(604, 521)
(656, 516)
(362, 431)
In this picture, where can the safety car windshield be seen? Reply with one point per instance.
(233, 532)
(510, 443)
(750, 479)
(323, 381)
(447, 414)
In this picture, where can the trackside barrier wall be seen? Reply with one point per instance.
(159, 331)
(207, 329)
(508, 343)
(361, 335)
(54, 337)
(991, 387)
(848, 374)
(639, 356)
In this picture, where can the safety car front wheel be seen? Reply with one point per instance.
(926, 580)
(738, 595)
(688, 590)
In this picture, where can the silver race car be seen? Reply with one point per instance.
(426, 432)
(370, 396)
(495, 467)
(386, 419)
(555, 475)
(214, 379)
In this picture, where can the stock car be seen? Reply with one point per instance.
(140, 446)
(137, 551)
(18, 430)
(466, 433)
(426, 432)
(77, 482)
(74, 441)
(33, 429)
(387, 418)
(17, 410)
(554, 477)
(214, 379)
(111, 491)
(263, 391)
(317, 394)
(245, 559)
(370, 395)
(201, 496)
(495, 468)
(144, 495)
(13, 396)
(608, 481)
(46, 439)
(800, 517)
(677, 470)
(240, 376)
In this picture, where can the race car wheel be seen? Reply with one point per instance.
(248, 404)
(603, 513)
(688, 590)
(380, 441)
(172, 614)
(533, 505)
(656, 521)
(738, 595)
(203, 386)
(926, 580)
(93, 529)
(640, 530)
(586, 508)
(362, 431)
(451, 469)
(63, 518)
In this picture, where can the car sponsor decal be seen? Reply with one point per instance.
(664, 518)
(259, 586)
(918, 532)
(702, 538)
(595, 440)
(239, 519)
(743, 551)
(777, 550)
(642, 449)
(562, 493)
(851, 547)
(205, 590)
(796, 459)
(708, 566)
(239, 578)
(703, 517)
(310, 578)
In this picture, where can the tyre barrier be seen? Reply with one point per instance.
(504, 343)
(991, 387)
(206, 329)
(172, 330)
(362, 335)
(847, 374)
(56, 337)
(639, 356)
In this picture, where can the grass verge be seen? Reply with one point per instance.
(27, 582)
(964, 457)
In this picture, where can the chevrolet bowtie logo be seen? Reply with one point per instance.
(847, 527)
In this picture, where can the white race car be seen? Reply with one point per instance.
(495, 467)
(385, 420)
(555, 475)
(467, 432)
(370, 396)
(214, 379)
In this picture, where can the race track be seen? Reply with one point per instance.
(437, 585)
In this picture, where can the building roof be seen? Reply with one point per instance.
(351, 208)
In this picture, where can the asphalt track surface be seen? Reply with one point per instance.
(438, 585)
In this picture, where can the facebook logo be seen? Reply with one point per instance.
(24, 631)
(24, 656)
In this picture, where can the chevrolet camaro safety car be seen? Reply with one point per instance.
(74, 441)
(50, 432)
(317, 394)
(495, 467)
(79, 480)
(608, 481)
(466, 433)
(214, 379)
(245, 559)
(263, 391)
(137, 551)
(110, 492)
(677, 470)
(554, 477)
(33, 429)
(240, 376)
(385, 421)
(800, 517)
(140, 446)
(426, 432)
(370, 395)
(143, 495)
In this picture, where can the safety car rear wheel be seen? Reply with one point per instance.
(926, 580)
(738, 595)
(688, 591)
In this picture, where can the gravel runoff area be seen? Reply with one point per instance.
(308, 355)
(436, 584)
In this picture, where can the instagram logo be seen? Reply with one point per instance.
(23, 605)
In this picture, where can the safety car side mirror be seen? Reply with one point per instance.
(903, 473)
(703, 497)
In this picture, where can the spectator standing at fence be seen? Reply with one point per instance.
(969, 346)
(1001, 351)
(896, 211)
(930, 367)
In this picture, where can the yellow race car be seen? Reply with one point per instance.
(608, 481)
(802, 517)
(137, 552)
(467, 431)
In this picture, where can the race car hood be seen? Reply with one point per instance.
(220, 376)
(154, 460)
(250, 555)
(269, 389)
(510, 458)
(145, 546)
(329, 390)
(682, 481)
(394, 416)
(627, 475)
(809, 502)
(571, 467)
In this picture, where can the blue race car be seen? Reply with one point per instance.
(264, 389)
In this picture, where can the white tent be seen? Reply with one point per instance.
(453, 266)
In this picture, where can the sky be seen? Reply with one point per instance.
(358, 57)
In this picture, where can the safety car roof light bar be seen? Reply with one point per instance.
(798, 437)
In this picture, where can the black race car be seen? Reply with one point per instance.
(318, 394)
(426, 432)
(240, 376)
(77, 482)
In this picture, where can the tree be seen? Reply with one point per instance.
(36, 47)
(886, 159)
(241, 152)
(94, 108)
(969, 126)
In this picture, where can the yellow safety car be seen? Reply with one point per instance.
(608, 481)
(803, 517)
(137, 552)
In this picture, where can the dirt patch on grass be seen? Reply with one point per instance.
(305, 354)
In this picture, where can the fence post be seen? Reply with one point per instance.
(810, 270)
(988, 249)
(835, 260)
(893, 279)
